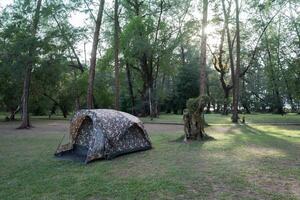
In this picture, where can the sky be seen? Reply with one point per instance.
(4, 3)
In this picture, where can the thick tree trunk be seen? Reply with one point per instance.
(25, 112)
(90, 90)
(26, 87)
(194, 122)
(236, 87)
(203, 50)
(116, 51)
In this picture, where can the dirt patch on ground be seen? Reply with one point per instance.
(62, 126)
(39, 127)
(163, 128)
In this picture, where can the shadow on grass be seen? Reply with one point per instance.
(266, 139)
(181, 139)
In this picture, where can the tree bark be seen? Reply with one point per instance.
(222, 67)
(193, 119)
(203, 49)
(152, 80)
(225, 103)
(130, 88)
(26, 87)
(90, 90)
(208, 94)
(236, 87)
(116, 52)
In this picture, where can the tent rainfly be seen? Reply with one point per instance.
(103, 134)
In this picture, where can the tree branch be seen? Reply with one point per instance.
(257, 42)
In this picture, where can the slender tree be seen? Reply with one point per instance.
(203, 50)
(236, 87)
(31, 54)
(90, 90)
(116, 52)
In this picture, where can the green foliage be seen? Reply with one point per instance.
(196, 104)
(162, 53)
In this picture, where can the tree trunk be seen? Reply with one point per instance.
(90, 90)
(26, 87)
(193, 119)
(226, 101)
(230, 49)
(52, 111)
(246, 108)
(236, 87)
(152, 77)
(218, 108)
(116, 51)
(208, 94)
(208, 107)
(130, 89)
(13, 112)
(203, 50)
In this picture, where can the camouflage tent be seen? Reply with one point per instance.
(103, 133)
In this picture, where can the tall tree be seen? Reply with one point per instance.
(31, 54)
(236, 86)
(90, 90)
(116, 52)
(203, 49)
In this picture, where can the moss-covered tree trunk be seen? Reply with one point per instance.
(193, 119)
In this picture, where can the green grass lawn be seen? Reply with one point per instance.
(222, 119)
(244, 162)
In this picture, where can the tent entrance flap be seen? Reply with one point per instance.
(84, 132)
(80, 147)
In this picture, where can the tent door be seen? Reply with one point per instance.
(82, 140)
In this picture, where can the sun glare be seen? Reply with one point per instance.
(213, 38)
(210, 29)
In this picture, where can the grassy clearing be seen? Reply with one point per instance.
(244, 162)
(222, 119)
(210, 118)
